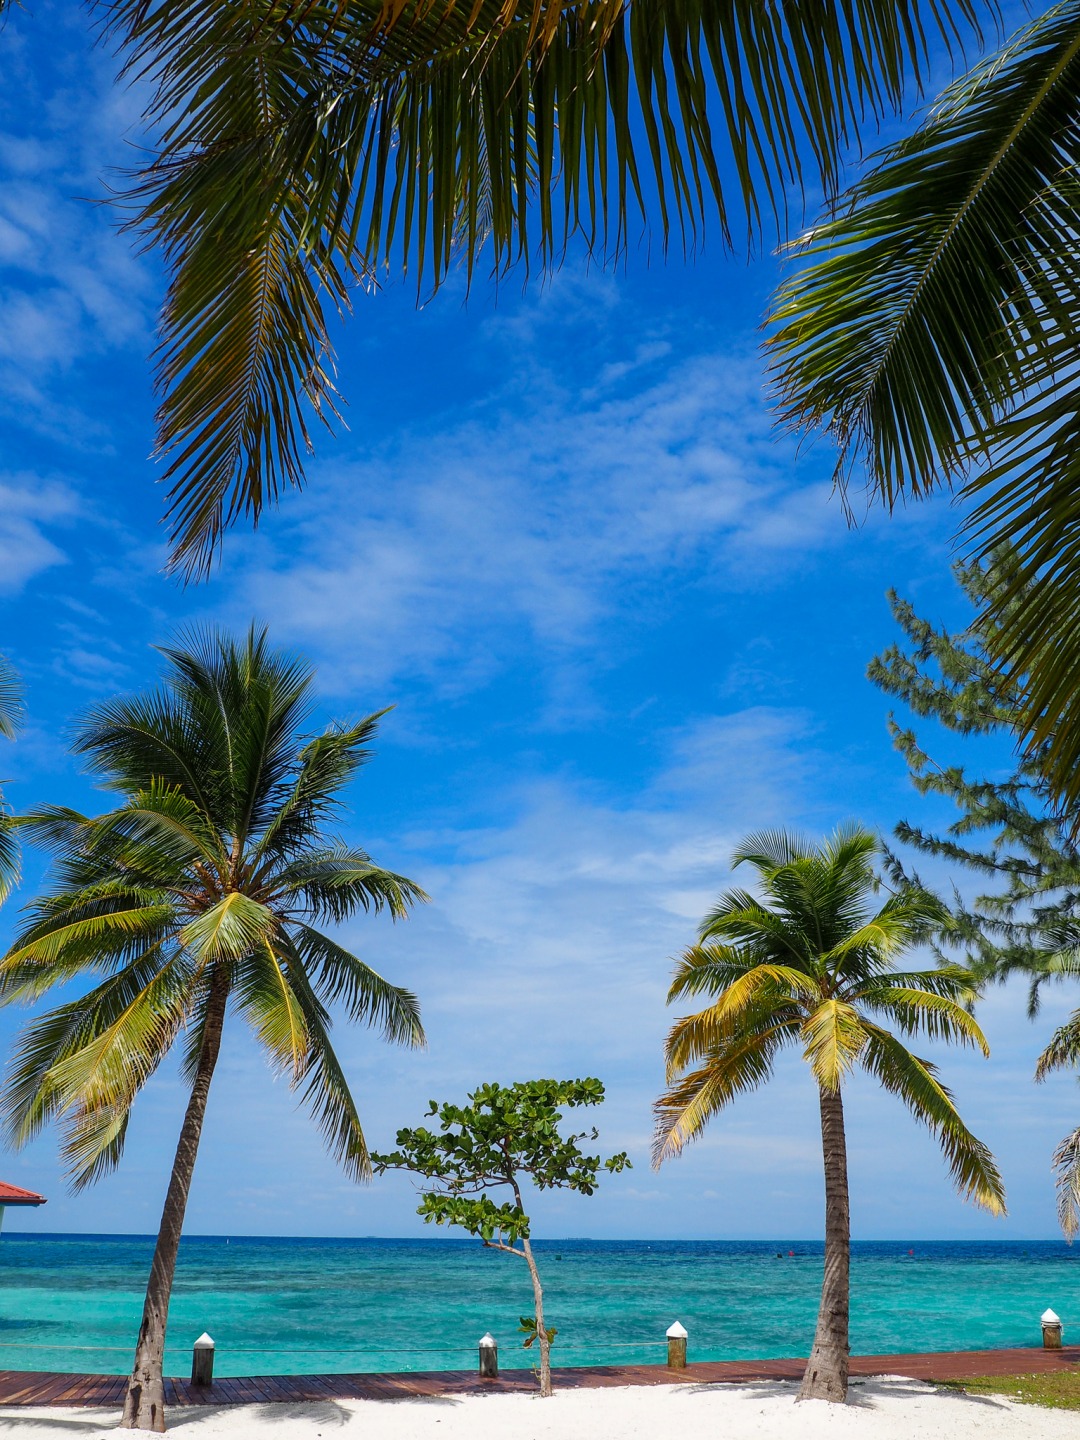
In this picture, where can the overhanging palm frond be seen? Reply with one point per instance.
(300, 146)
(932, 333)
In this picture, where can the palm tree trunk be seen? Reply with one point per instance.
(144, 1405)
(826, 1375)
(541, 1331)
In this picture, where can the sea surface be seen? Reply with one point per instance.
(281, 1306)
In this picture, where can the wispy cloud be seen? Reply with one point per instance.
(537, 521)
(31, 508)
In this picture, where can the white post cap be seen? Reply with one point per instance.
(488, 1342)
(1049, 1318)
(676, 1332)
(204, 1342)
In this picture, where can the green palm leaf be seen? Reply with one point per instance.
(931, 332)
(299, 149)
(915, 1081)
(1066, 1162)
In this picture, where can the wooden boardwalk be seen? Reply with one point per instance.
(24, 1388)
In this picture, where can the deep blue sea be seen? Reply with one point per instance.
(275, 1306)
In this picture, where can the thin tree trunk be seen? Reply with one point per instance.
(541, 1331)
(826, 1375)
(144, 1405)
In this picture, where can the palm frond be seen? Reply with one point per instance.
(914, 1081)
(1066, 1163)
(708, 967)
(11, 700)
(1063, 1051)
(333, 884)
(833, 1039)
(932, 333)
(229, 930)
(299, 147)
(264, 994)
(692, 1037)
(10, 860)
(326, 764)
(338, 977)
(327, 1092)
(920, 1012)
(729, 1070)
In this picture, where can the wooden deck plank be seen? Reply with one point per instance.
(22, 1389)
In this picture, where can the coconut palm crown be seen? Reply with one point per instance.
(203, 892)
(809, 962)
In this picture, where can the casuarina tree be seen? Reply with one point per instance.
(505, 1137)
(203, 893)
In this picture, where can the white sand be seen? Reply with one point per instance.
(880, 1409)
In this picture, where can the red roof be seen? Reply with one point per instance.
(15, 1195)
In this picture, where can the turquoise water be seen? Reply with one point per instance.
(281, 1306)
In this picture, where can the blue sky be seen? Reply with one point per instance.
(622, 623)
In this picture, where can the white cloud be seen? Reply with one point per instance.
(29, 505)
(538, 521)
(70, 284)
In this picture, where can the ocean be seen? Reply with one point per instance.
(280, 1306)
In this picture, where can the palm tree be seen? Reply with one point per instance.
(11, 707)
(297, 148)
(1063, 1052)
(810, 963)
(199, 894)
(931, 331)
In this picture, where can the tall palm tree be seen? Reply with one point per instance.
(931, 330)
(11, 707)
(200, 894)
(809, 962)
(297, 146)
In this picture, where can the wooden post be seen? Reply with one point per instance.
(202, 1361)
(676, 1347)
(489, 1358)
(1051, 1328)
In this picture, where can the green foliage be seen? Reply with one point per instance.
(297, 148)
(528, 1327)
(1010, 830)
(932, 333)
(213, 870)
(11, 713)
(811, 963)
(1030, 924)
(1058, 1390)
(505, 1135)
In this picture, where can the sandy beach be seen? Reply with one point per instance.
(887, 1408)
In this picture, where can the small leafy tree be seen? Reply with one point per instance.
(502, 1137)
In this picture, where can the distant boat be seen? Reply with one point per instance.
(16, 1195)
